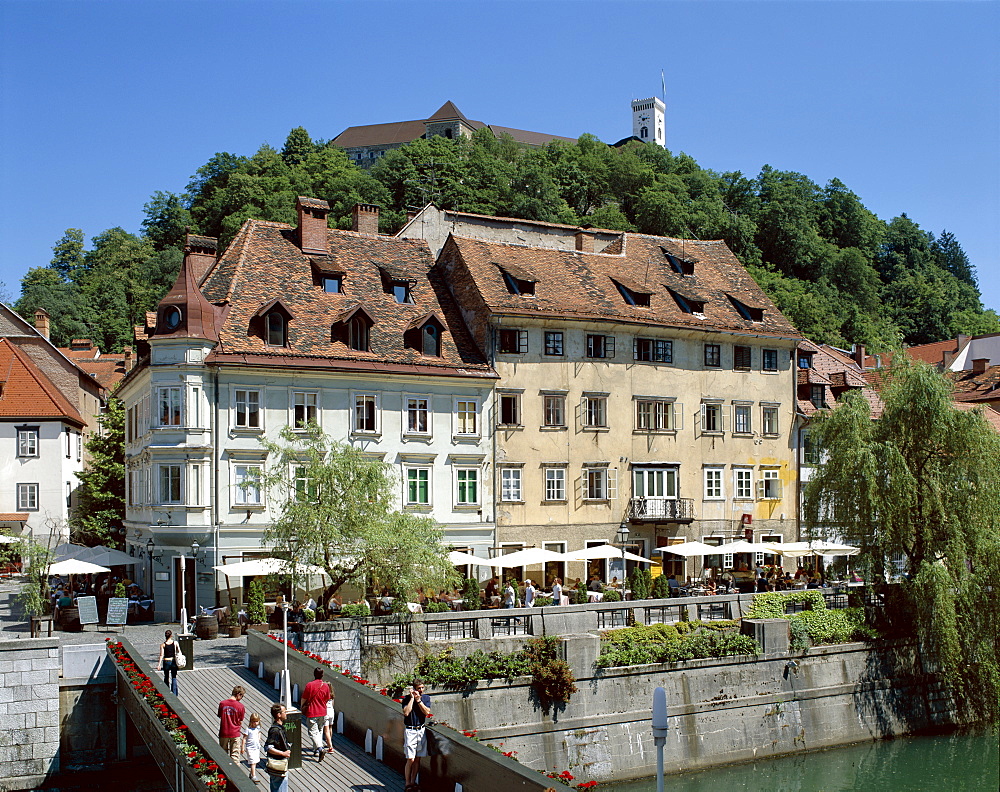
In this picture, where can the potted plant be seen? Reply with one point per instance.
(256, 615)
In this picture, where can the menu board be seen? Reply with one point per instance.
(117, 610)
(88, 609)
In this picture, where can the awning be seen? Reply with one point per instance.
(604, 551)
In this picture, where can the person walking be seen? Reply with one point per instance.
(314, 698)
(278, 750)
(529, 594)
(509, 595)
(557, 591)
(168, 661)
(416, 709)
(328, 720)
(251, 744)
(231, 713)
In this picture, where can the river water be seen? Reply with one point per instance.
(950, 763)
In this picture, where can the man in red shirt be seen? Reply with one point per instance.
(231, 713)
(314, 699)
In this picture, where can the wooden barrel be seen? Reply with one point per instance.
(206, 627)
(69, 618)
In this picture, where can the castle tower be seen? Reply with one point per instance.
(648, 120)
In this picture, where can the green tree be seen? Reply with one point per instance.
(922, 483)
(298, 146)
(337, 508)
(67, 254)
(99, 516)
(166, 221)
(43, 287)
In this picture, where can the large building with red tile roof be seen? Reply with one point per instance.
(351, 329)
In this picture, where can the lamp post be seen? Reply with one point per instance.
(659, 732)
(195, 547)
(286, 684)
(149, 554)
(622, 538)
(184, 610)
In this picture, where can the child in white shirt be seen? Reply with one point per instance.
(251, 744)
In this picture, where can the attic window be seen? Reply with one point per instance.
(424, 335)
(431, 340)
(357, 333)
(172, 317)
(524, 288)
(276, 329)
(679, 265)
(748, 312)
(332, 284)
(632, 297)
(401, 292)
(688, 305)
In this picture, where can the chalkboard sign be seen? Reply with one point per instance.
(117, 610)
(88, 609)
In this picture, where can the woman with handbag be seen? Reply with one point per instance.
(278, 750)
(168, 661)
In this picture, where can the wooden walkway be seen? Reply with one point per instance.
(347, 769)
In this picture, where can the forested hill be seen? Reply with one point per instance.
(840, 273)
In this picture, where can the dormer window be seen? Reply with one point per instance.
(352, 327)
(424, 335)
(357, 333)
(277, 330)
(401, 292)
(749, 312)
(805, 360)
(332, 284)
(172, 317)
(431, 341)
(633, 296)
(397, 281)
(678, 265)
(688, 304)
(517, 280)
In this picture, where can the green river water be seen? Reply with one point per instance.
(951, 763)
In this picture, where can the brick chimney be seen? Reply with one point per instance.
(313, 236)
(199, 254)
(979, 365)
(364, 219)
(129, 361)
(858, 354)
(42, 321)
(584, 242)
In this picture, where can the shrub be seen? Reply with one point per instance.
(309, 614)
(472, 599)
(436, 607)
(400, 603)
(671, 643)
(581, 595)
(255, 604)
(541, 602)
(552, 679)
(610, 595)
(120, 589)
(771, 604)
(661, 589)
(641, 583)
(358, 609)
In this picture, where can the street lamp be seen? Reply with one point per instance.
(286, 683)
(622, 539)
(195, 547)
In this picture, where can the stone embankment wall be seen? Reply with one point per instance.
(29, 711)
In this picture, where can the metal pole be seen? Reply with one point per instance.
(659, 732)
(284, 677)
(184, 611)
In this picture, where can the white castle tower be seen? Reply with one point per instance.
(648, 120)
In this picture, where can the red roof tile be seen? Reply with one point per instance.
(27, 393)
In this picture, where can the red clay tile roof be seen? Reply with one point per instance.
(838, 372)
(27, 393)
(264, 262)
(13, 516)
(108, 370)
(528, 138)
(931, 353)
(199, 318)
(972, 387)
(580, 285)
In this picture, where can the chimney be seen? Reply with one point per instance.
(364, 219)
(127, 354)
(313, 236)
(858, 353)
(584, 242)
(42, 321)
(979, 365)
(199, 254)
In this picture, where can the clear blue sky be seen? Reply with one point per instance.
(102, 103)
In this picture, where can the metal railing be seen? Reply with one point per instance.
(664, 614)
(451, 630)
(609, 619)
(661, 509)
(391, 633)
(714, 611)
(509, 625)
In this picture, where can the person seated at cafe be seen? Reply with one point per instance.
(384, 603)
(333, 605)
(63, 601)
(595, 584)
(615, 582)
(674, 586)
(711, 586)
(492, 590)
(801, 573)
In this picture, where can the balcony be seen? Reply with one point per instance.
(679, 510)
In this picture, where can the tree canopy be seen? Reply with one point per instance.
(840, 273)
(99, 515)
(336, 510)
(922, 483)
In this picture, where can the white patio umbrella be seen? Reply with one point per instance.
(688, 549)
(603, 551)
(531, 556)
(74, 566)
(744, 547)
(791, 549)
(458, 558)
(107, 556)
(829, 548)
(267, 566)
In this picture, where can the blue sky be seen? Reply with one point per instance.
(102, 103)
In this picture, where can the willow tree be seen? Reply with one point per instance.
(922, 482)
(336, 511)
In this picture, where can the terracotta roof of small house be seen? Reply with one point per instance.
(836, 371)
(13, 516)
(264, 263)
(973, 387)
(27, 394)
(572, 284)
(931, 353)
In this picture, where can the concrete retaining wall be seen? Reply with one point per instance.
(29, 711)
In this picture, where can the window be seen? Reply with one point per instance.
(769, 419)
(170, 483)
(599, 483)
(712, 417)
(555, 484)
(247, 409)
(554, 409)
(653, 349)
(741, 358)
(654, 415)
(418, 486)
(769, 486)
(465, 417)
(172, 317)
(644, 133)
(713, 484)
(276, 335)
(632, 297)
(27, 441)
(750, 313)
(401, 292)
(79, 446)
(520, 286)
(600, 346)
(510, 484)
(247, 481)
(416, 415)
(304, 409)
(306, 489)
(553, 343)
(805, 360)
(357, 334)
(654, 483)
(513, 342)
(69, 443)
(713, 355)
(431, 340)
(195, 498)
(595, 412)
(743, 481)
(510, 409)
(332, 284)
(689, 305)
(171, 406)
(817, 395)
(769, 359)
(366, 412)
(810, 450)
(467, 486)
(741, 419)
(27, 497)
